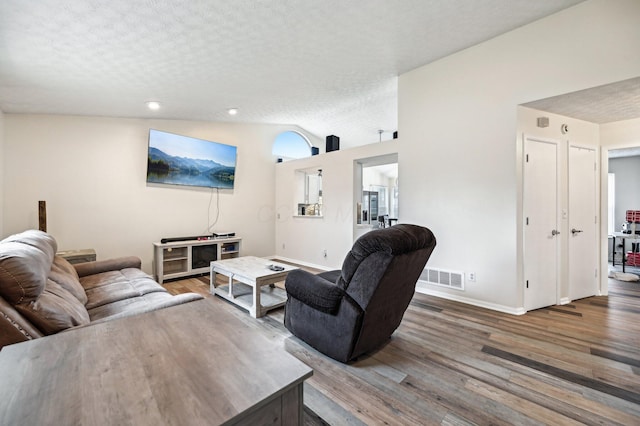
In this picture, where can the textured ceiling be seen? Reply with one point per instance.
(624, 152)
(328, 66)
(603, 104)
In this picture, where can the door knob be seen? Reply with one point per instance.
(554, 232)
(575, 231)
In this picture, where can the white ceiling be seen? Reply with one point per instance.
(603, 104)
(328, 66)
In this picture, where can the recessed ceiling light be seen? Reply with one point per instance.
(153, 105)
(233, 111)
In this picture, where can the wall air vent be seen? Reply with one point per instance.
(441, 277)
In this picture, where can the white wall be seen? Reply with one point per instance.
(371, 176)
(620, 134)
(304, 239)
(2, 162)
(458, 121)
(92, 174)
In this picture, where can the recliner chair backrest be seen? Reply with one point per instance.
(380, 273)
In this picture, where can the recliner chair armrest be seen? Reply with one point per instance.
(314, 291)
(92, 268)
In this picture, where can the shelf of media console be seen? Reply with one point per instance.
(176, 259)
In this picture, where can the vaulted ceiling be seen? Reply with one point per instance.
(328, 66)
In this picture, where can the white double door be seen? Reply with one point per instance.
(559, 244)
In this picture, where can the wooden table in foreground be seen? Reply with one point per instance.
(188, 364)
(254, 290)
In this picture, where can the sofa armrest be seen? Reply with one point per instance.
(314, 291)
(92, 268)
(14, 327)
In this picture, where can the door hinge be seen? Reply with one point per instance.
(527, 283)
(527, 158)
(527, 221)
(596, 273)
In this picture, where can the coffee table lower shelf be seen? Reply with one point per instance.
(270, 297)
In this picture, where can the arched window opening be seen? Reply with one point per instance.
(290, 145)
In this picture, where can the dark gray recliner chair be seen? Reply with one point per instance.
(349, 312)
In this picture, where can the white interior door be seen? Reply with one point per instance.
(540, 203)
(583, 244)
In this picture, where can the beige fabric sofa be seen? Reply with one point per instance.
(42, 294)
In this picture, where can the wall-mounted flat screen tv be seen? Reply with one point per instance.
(182, 160)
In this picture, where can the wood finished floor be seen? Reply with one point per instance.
(455, 364)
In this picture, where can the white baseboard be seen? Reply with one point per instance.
(422, 288)
(565, 301)
(299, 262)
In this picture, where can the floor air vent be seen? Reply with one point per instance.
(443, 278)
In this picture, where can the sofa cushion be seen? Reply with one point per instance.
(54, 310)
(113, 286)
(63, 273)
(23, 271)
(137, 305)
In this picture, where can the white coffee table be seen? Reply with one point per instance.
(249, 285)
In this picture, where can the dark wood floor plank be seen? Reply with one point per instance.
(616, 357)
(566, 375)
(587, 410)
